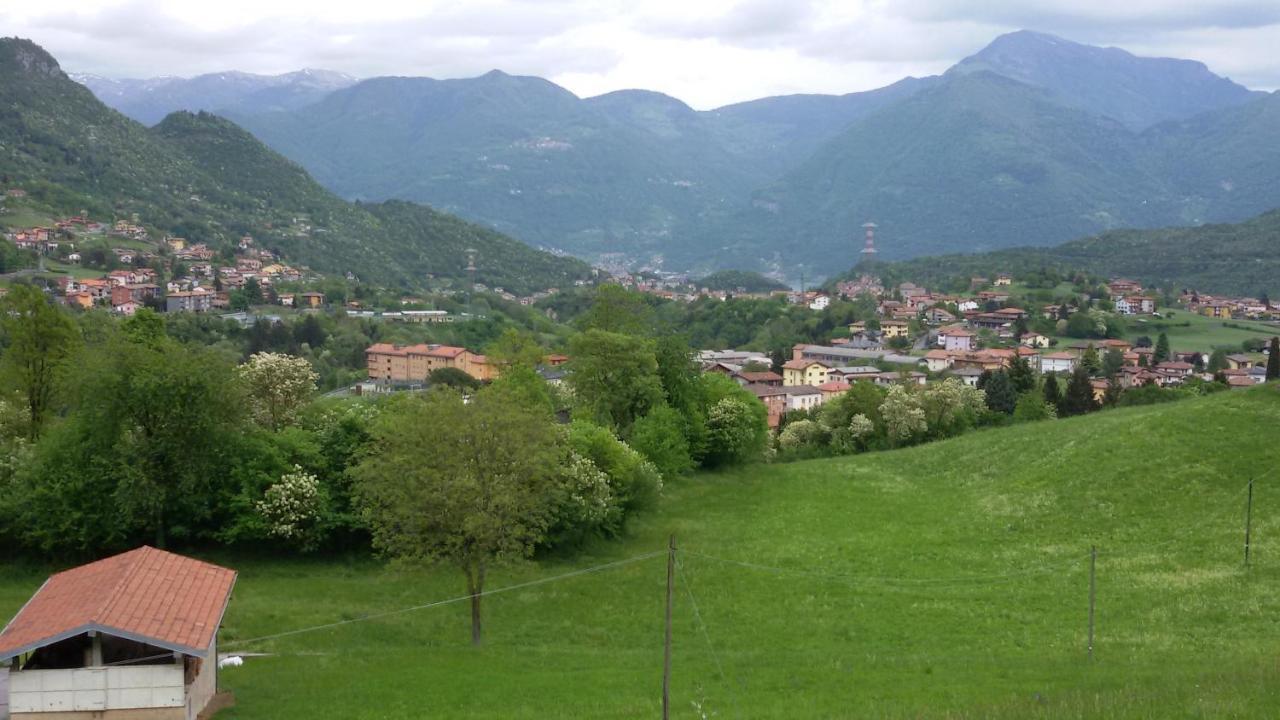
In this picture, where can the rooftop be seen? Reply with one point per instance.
(150, 595)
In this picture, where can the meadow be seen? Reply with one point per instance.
(949, 580)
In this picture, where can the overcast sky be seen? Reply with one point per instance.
(705, 52)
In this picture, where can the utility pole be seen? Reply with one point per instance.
(1093, 592)
(666, 646)
(1248, 523)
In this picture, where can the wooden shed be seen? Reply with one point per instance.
(129, 637)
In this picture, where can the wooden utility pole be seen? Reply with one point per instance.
(666, 646)
(1093, 591)
(1248, 523)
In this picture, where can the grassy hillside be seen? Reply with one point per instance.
(1241, 258)
(202, 177)
(943, 581)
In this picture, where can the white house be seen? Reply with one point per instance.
(820, 303)
(802, 397)
(129, 636)
(1059, 362)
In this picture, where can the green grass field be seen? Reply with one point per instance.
(1202, 333)
(944, 581)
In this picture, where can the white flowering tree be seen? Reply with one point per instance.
(904, 416)
(278, 385)
(293, 509)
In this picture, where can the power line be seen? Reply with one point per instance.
(460, 598)
(715, 656)
(894, 582)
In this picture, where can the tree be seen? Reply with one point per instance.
(1001, 396)
(1217, 361)
(1112, 361)
(615, 378)
(253, 291)
(277, 386)
(1090, 361)
(1162, 349)
(618, 310)
(1052, 394)
(951, 406)
(39, 339)
(1078, 399)
(904, 417)
(1273, 359)
(516, 348)
(737, 430)
(452, 377)
(660, 436)
(468, 484)
(1033, 407)
(1021, 375)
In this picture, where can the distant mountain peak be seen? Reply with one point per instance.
(1137, 91)
(22, 55)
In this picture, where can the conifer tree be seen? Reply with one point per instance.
(1078, 399)
(1162, 348)
(1022, 376)
(1001, 395)
(1052, 393)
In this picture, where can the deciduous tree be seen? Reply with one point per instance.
(39, 339)
(468, 484)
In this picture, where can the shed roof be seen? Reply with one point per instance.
(149, 595)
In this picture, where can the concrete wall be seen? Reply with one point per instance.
(205, 685)
(43, 692)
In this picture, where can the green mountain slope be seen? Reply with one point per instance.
(202, 177)
(1241, 258)
(520, 154)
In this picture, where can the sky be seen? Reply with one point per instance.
(705, 52)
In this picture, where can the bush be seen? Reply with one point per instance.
(737, 432)
(661, 437)
(803, 437)
(1032, 407)
(634, 482)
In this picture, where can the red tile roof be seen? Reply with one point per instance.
(157, 597)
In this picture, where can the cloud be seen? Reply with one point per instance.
(708, 52)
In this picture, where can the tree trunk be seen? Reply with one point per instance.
(475, 586)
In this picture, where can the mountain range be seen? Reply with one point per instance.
(201, 177)
(1034, 140)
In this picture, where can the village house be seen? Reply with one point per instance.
(758, 377)
(895, 328)
(937, 360)
(798, 372)
(938, 316)
(832, 389)
(775, 402)
(1239, 362)
(957, 339)
(1059, 362)
(1004, 280)
(1120, 288)
(968, 375)
(1216, 310)
(128, 637)
(852, 373)
(802, 397)
(197, 300)
(309, 299)
(1034, 340)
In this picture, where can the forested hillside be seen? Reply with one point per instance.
(201, 177)
(1242, 258)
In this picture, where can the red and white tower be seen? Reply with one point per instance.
(869, 250)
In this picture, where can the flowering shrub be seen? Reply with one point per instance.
(294, 509)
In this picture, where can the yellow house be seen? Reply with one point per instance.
(1035, 340)
(1004, 280)
(804, 372)
(1216, 311)
(895, 328)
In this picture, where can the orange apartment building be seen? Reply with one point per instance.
(413, 363)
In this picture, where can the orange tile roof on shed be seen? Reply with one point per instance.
(149, 595)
